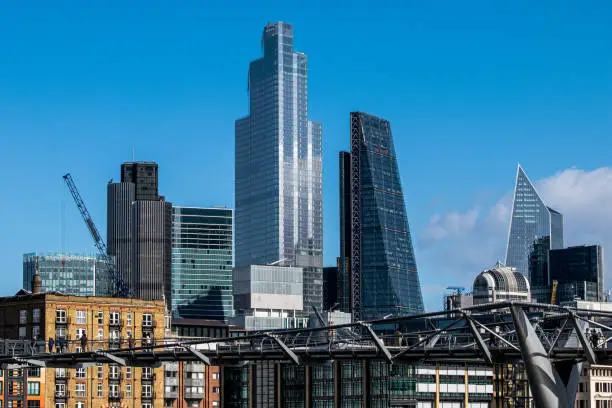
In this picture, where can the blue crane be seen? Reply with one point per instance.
(120, 288)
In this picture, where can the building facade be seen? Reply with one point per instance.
(279, 213)
(268, 297)
(531, 220)
(580, 264)
(202, 261)
(139, 231)
(107, 322)
(383, 271)
(500, 283)
(70, 274)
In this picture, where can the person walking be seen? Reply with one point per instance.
(51, 344)
(84, 341)
(131, 341)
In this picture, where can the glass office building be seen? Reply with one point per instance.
(279, 213)
(71, 274)
(531, 220)
(202, 261)
(384, 278)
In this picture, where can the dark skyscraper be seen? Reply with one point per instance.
(384, 278)
(581, 266)
(139, 231)
(531, 220)
(279, 213)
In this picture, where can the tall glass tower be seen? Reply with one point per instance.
(383, 273)
(532, 221)
(202, 260)
(279, 214)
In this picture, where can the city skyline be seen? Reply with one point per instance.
(546, 92)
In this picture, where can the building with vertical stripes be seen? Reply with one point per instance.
(139, 231)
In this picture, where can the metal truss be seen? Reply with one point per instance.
(551, 341)
(355, 262)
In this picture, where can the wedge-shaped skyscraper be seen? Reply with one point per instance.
(376, 241)
(532, 221)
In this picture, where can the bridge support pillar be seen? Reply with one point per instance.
(547, 387)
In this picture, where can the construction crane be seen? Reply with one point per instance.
(553, 296)
(120, 289)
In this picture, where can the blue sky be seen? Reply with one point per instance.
(470, 88)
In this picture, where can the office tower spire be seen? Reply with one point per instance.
(376, 236)
(532, 223)
(278, 166)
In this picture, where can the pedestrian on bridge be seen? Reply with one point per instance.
(51, 344)
(84, 341)
(131, 341)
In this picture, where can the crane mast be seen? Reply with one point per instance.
(120, 288)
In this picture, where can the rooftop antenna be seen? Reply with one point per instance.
(132, 154)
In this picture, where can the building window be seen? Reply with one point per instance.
(33, 388)
(129, 318)
(22, 332)
(100, 372)
(215, 376)
(80, 389)
(100, 318)
(36, 316)
(128, 390)
(147, 319)
(33, 403)
(146, 391)
(215, 390)
(81, 317)
(60, 405)
(113, 390)
(99, 390)
(60, 316)
(147, 373)
(80, 405)
(36, 332)
(32, 372)
(146, 405)
(80, 373)
(215, 403)
(114, 318)
(80, 332)
(23, 316)
(100, 334)
(128, 373)
(60, 334)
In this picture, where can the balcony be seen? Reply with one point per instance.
(171, 394)
(148, 377)
(194, 382)
(193, 395)
(62, 321)
(115, 323)
(115, 395)
(62, 395)
(171, 381)
(149, 326)
(115, 377)
(115, 343)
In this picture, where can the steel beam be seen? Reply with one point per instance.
(586, 345)
(199, 355)
(546, 385)
(288, 352)
(112, 357)
(379, 344)
(29, 361)
(478, 339)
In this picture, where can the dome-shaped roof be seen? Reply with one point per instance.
(502, 280)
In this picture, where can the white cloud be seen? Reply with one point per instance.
(456, 246)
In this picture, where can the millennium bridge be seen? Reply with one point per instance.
(551, 341)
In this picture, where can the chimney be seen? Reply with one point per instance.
(36, 281)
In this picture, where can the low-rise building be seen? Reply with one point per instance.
(107, 323)
(500, 283)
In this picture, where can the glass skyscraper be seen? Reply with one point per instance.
(531, 221)
(383, 271)
(279, 214)
(71, 274)
(202, 261)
